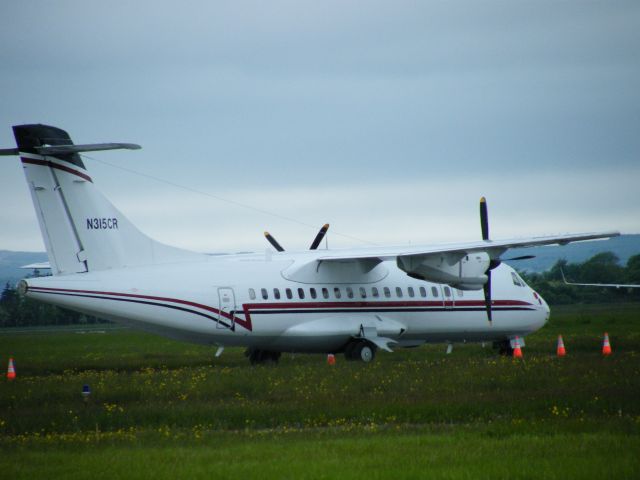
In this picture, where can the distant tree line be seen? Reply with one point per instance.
(17, 311)
(601, 268)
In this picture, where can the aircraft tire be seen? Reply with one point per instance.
(364, 351)
(348, 351)
(260, 357)
(504, 348)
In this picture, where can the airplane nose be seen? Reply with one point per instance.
(545, 309)
(544, 306)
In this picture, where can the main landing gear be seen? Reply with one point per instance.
(360, 349)
(261, 357)
(504, 348)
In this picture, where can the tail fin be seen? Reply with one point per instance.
(82, 230)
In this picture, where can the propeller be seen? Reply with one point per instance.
(523, 257)
(484, 219)
(273, 242)
(494, 262)
(314, 245)
(484, 226)
(319, 237)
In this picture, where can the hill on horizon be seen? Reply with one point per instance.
(10, 263)
(623, 247)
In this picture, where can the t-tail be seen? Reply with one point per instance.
(82, 230)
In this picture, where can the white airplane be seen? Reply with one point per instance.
(345, 300)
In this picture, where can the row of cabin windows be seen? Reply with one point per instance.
(349, 292)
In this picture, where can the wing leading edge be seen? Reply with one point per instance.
(494, 248)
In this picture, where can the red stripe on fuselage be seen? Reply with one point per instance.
(247, 307)
(406, 303)
(243, 323)
(46, 163)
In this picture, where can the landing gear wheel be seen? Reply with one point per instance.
(504, 348)
(348, 351)
(364, 351)
(261, 357)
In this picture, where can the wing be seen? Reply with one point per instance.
(608, 285)
(494, 248)
(461, 265)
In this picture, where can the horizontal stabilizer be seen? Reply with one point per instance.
(37, 266)
(91, 147)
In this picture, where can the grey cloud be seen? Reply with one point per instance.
(319, 94)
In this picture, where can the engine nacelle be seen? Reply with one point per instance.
(465, 272)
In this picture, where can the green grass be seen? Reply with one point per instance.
(160, 408)
(335, 454)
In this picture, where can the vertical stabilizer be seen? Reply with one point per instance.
(82, 230)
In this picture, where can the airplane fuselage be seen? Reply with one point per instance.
(246, 300)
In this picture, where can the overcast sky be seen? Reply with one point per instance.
(388, 120)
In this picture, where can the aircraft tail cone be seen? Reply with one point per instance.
(11, 371)
(606, 346)
(517, 350)
(561, 352)
(331, 359)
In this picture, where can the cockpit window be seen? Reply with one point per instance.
(516, 279)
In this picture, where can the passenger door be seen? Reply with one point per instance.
(226, 304)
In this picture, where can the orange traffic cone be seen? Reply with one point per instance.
(331, 359)
(11, 371)
(517, 351)
(561, 351)
(606, 346)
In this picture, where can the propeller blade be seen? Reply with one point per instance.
(319, 237)
(273, 242)
(487, 297)
(484, 219)
(524, 257)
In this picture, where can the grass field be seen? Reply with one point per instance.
(163, 409)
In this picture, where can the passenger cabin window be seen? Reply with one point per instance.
(447, 291)
(398, 292)
(276, 294)
(301, 293)
(336, 292)
(349, 292)
(289, 293)
(363, 292)
(434, 291)
(252, 294)
(387, 292)
(325, 293)
(423, 292)
(312, 292)
(411, 292)
(265, 294)
(374, 292)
